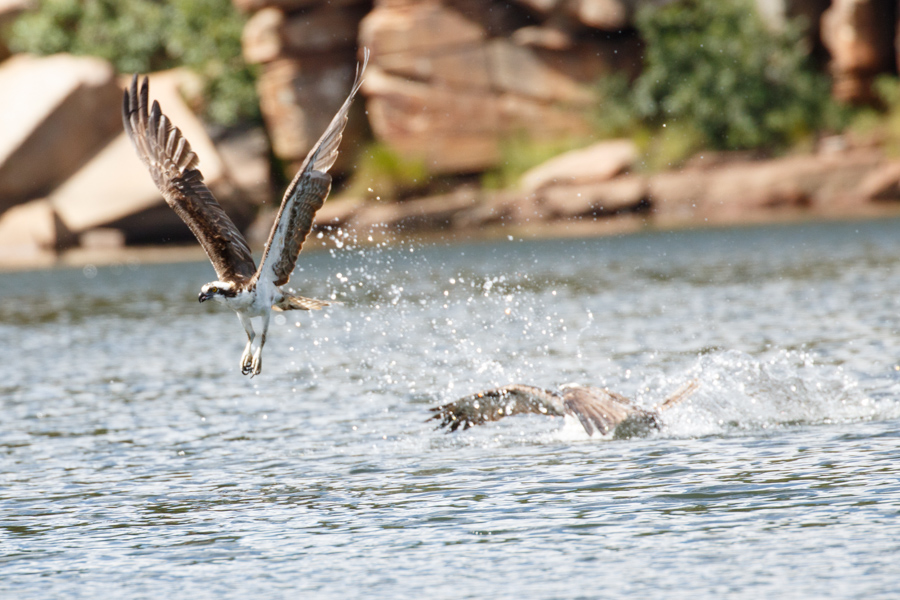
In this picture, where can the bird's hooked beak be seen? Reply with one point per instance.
(204, 296)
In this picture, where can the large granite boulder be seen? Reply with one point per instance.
(55, 114)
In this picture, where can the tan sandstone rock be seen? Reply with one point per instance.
(55, 113)
(270, 34)
(31, 229)
(115, 190)
(595, 163)
(601, 199)
(419, 28)
(298, 99)
(608, 15)
(441, 91)
(860, 40)
(290, 5)
(736, 192)
(449, 130)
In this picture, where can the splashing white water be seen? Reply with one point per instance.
(738, 392)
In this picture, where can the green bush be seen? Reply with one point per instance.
(384, 174)
(519, 153)
(714, 69)
(139, 36)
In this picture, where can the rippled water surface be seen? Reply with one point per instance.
(137, 462)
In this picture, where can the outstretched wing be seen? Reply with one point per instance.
(305, 196)
(173, 166)
(596, 409)
(497, 403)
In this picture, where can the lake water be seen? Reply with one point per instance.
(137, 462)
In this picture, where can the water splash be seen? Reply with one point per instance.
(740, 393)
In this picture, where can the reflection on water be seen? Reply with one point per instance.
(138, 462)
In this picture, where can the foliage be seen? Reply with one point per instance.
(881, 125)
(393, 176)
(520, 153)
(139, 36)
(715, 72)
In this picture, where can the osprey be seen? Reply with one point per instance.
(597, 409)
(248, 290)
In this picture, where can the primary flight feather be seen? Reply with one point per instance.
(248, 290)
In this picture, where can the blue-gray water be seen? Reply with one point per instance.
(137, 462)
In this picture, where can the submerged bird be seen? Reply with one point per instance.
(596, 409)
(246, 289)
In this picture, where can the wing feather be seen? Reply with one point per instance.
(602, 410)
(173, 167)
(305, 195)
(497, 403)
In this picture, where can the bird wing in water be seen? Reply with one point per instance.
(173, 166)
(682, 393)
(497, 403)
(599, 409)
(305, 196)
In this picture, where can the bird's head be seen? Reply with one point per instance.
(217, 290)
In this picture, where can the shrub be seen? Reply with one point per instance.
(393, 176)
(139, 36)
(519, 153)
(712, 67)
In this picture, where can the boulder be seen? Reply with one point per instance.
(603, 199)
(882, 183)
(298, 99)
(449, 130)
(261, 38)
(609, 15)
(291, 5)
(433, 213)
(31, 229)
(55, 114)
(462, 67)
(595, 163)
(860, 41)
(420, 28)
(245, 156)
(507, 207)
(518, 70)
(543, 7)
(323, 29)
(441, 91)
(743, 190)
(546, 37)
(270, 34)
(115, 190)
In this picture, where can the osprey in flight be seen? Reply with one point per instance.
(248, 290)
(596, 409)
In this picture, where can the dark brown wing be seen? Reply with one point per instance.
(497, 403)
(305, 196)
(172, 164)
(599, 409)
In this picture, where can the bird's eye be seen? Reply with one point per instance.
(213, 290)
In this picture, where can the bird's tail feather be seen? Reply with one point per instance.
(299, 303)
